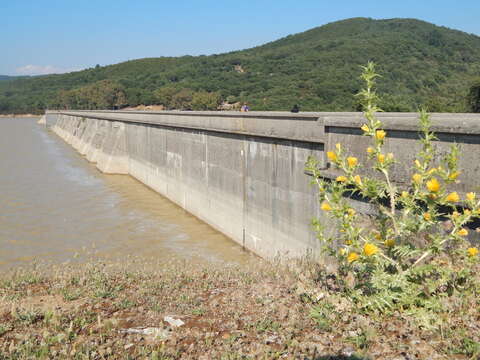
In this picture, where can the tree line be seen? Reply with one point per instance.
(318, 69)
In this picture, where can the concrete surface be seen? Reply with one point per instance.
(243, 173)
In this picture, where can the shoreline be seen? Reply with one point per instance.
(18, 115)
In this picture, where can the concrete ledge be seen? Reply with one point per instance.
(280, 125)
(441, 123)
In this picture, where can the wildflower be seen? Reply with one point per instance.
(467, 212)
(358, 179)
(378, 236)
(389, 242)
(338, 146)
(471, 196)
(341, 178)
(352, 161)
(353, 256)
(433, 185)
(370, 249)
(351, 212)
(331, 156)
(325, 206)
(404, 194)
(452, 197)
(417, 178)
(427, 216)
(473, 251)
(417, 164)
(370, 150)
(390, 156)
(343, 251)
(381, 158)
(365, 128)
(455, 214)
(380, 134)
(454, 175)
(462, 232)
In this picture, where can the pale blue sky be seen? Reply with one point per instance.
(44, 36)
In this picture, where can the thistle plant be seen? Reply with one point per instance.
(414, 249)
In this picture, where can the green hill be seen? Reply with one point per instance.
(318, 69)
(8, 77)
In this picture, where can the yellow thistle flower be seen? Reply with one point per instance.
(454, 175)
(352, 161)
(338, 146)
(358, 179)
(427, 216)
(351, 212)
(331, 156)
(370, 150)
(452, 197)
(389, 242)
(365, 128)
(325, 206)
(417, 163)
(433, 185)
(462, 232)
(343, 251)
(353, 256)
(370, 249)
(467, 212)
(381, 158)
(417, 178)
(473, 251)
(341, 178)
(380, 134)
(455, 214)
(404, 194)
(471, 196)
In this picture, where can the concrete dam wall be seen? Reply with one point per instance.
(243, 173)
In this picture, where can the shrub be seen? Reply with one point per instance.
(415, 250)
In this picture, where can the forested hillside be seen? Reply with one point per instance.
(318, 69)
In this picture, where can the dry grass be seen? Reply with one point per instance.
(99, 311)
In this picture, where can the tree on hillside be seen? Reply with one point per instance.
(182, 100)
(103, 94)
(473, 97)
(204, 100)
(165, 94)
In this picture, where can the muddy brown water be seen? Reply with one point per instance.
(57, 207)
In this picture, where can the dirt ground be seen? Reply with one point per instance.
(179, 311)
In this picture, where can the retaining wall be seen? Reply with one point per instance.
(243, 173)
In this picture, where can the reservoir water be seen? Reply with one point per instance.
(57, 207)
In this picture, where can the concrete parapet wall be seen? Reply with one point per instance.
(243, 173)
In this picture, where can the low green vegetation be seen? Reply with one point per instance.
(263, 311)
(422, 64)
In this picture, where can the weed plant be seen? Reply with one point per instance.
(415, 253)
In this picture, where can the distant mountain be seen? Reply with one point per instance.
(420, 63)
(6, 77)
